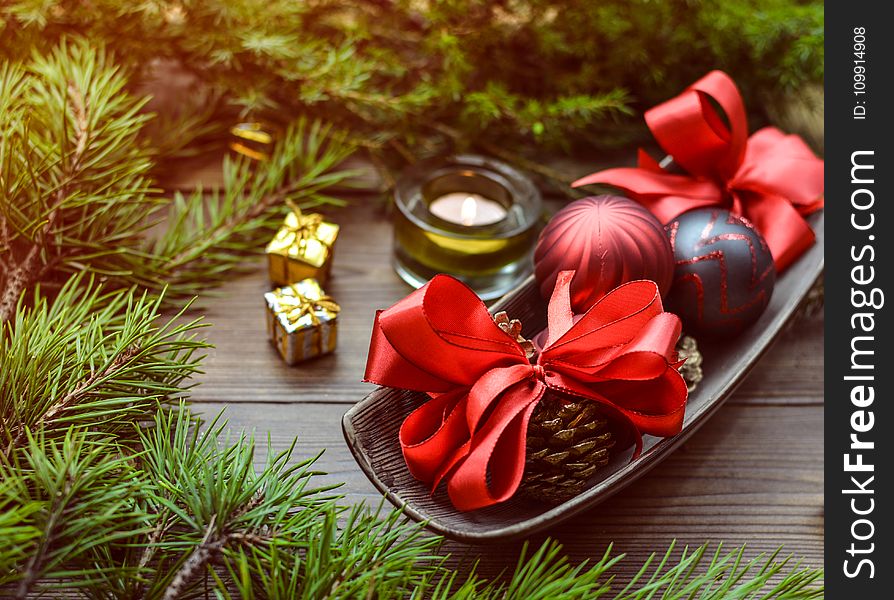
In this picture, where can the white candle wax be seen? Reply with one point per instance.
(467, 209)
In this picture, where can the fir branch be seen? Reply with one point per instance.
(89, 357)
(72, 398)
(201, 555)
(208, 236)
(105, 491)
(74, 186)
(505, 72)
(725, 577)
(212, 501)
(84, 493)
(76, 194)
(212, 544)
(279, 537)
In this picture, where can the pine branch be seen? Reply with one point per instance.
(76, 196)
(501, 72)
(82, 491)
(209, 236)
(212, 502)
(211, 546)
(72, 398)
(73, 175)
(107, 490)
(201, 555)
(279, 537)
(89, 358)
(724, 578)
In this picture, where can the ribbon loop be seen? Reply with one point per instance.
(300, 229)
(771, 178)
(303, 304)
(472, 432)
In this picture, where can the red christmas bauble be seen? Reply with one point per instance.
(607, 240)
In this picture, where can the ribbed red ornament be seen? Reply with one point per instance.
(607, 240)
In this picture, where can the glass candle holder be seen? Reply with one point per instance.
(469, 216)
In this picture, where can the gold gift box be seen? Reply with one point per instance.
(302, 321)
(302, 248)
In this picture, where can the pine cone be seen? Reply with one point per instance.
(813, 302)
(692, 368)
(569, 440)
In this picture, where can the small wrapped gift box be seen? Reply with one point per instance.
(302, 248)
(302, 321)
(253, 139)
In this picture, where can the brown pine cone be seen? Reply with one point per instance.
(692, 369)
(569, 440)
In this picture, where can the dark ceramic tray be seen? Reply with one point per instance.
(371, 426)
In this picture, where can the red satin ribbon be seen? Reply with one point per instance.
(771, 178)
(441, 340)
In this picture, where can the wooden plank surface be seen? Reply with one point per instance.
(753, 475)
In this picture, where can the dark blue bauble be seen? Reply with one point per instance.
(723, 272)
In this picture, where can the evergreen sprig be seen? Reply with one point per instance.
(73, 178)
(185, 512)
(206, 236)
(559, 74)
(89, 357)
(75, 192)
(78, 495)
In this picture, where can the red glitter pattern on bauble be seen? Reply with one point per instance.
(724, 274)
(607, 240)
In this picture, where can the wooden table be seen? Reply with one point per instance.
(753, 475)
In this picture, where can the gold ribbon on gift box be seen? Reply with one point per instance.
(302, 320)
(302, 248)
(305, 305)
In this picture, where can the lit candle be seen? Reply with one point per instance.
(469, 216)
(467, 209)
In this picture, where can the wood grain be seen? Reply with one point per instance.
(752, 475)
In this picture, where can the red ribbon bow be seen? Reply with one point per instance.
(441, 339)
(771, 178)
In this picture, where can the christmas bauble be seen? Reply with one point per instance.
(607, 240)
(723, 274)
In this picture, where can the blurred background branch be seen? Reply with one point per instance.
(570, 76)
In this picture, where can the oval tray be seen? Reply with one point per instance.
(371, 426)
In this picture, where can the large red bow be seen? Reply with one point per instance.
(771, 178)
(440, 339)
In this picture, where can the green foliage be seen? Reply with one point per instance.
(73, 178)
(556, 73)
(208, 235)
(184, 511)
(79, 496)
(89, 357)
(108, 489)
(75, 193)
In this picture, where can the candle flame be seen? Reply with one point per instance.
(468, 211)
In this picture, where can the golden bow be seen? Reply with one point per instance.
(306, 236)
(305, 299)
(300, 229)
